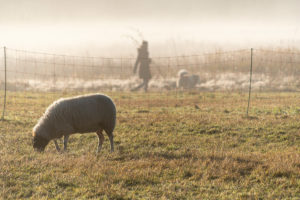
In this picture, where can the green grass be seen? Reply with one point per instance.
(166, 148)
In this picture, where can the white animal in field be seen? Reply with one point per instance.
(186, 80)
(81, 114)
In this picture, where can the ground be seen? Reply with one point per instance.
(173, 145)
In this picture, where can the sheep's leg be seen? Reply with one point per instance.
(56, 145)
(101, 139)
(66, 142)
(111, 139)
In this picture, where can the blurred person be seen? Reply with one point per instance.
(143, 61)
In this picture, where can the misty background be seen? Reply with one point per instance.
(172, 27)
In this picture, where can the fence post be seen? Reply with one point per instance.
(250, 81)
(5, 88)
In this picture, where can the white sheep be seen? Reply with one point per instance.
(82, 114)
(186, 80)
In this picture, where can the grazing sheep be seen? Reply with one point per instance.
(185, 80)
(82, 114)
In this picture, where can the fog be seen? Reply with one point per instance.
(109, 28)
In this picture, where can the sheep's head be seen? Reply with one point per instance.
(39, 143)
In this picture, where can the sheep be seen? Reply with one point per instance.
(185, 80)
(81, 114)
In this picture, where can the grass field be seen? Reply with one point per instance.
(187, 145)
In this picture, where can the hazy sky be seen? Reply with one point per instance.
(105, 24)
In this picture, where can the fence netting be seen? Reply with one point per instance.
(36, 79)
(276, 70)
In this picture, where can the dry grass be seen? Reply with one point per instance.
(166, 148)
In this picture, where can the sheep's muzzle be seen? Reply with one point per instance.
(39, 143)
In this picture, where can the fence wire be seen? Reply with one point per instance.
(37, 78)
